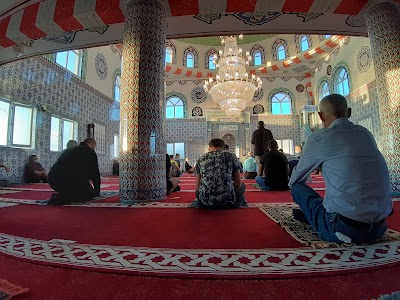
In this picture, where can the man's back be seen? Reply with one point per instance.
(276, 168)
(80, 161)
(216, 169)
(260, 140)
(250, 165)
(355, 172)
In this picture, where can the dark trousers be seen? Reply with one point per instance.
(36, 179)
(240, 200)
(250, 175)
(78, 190)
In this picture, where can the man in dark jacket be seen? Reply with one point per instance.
(70, 176)
(274, 165)
(260, 140)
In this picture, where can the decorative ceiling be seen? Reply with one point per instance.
(216, 41)
(299, 65)
(33, 27)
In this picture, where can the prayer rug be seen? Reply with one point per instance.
(303, 233)
(8, 290)
(256, 186)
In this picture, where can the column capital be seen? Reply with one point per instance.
(375, 4)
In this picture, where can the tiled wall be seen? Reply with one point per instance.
(364, 103)
(36, 81)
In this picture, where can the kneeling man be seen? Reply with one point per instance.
(70, 176)
(357, 199)
(218, 183)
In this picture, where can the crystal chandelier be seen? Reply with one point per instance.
(232, 86)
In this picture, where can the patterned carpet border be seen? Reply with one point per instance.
(263, 263)
(303, 233)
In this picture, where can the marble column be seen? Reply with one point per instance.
(383, 25)
(142, 160)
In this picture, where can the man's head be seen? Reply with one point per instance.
(250, 154)
(272, 145)
(260, 124)
(72, 143)
(298, 149)
(216, 144)
(333, 107)
(32, 158)
(91, 142)
(177, 155)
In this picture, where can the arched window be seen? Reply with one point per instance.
(341, 82)
(304, 45)
(280, 52)
(117, 88)
(174, 108)
(209, 58)
(281, 104)
(189, 60)
(71, 60)
(323, 89)
(211, 64)
(280, 49)
(257, 58)
(257, 54)
(190, 57)
(169, 53)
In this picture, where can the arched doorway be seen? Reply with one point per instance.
(230, 140)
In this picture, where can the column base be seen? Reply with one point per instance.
(133, 196)
(396, 188)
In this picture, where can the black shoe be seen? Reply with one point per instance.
(299, 216)
(56, 200)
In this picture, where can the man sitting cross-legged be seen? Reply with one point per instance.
(70, 176)
(250, 166)
(357, 199)
(218, 184)
(274, 165)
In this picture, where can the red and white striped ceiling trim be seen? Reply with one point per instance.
(54, 17)
(314, 54)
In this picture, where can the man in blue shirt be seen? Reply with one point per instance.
(250, 167)
(357, 199)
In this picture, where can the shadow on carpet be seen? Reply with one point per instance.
(303, 233)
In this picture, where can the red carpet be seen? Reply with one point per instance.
(52, 283)
(178, 228)
(142, 227)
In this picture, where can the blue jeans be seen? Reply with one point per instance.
(260, 180)
(326, 224)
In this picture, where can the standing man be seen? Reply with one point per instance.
(260, 139)
(70, 176)
(357, 199)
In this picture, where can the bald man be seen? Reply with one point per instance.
(357, 199)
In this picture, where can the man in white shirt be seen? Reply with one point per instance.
(357, 199)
